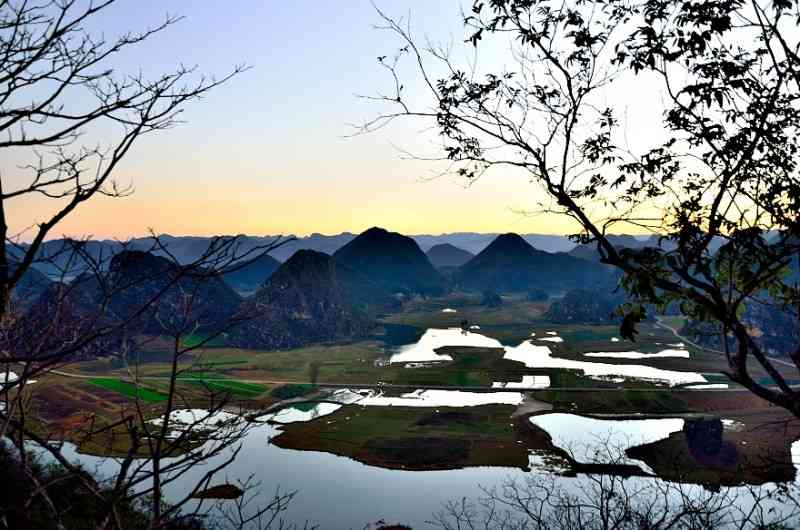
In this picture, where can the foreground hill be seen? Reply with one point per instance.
(446, 255)
(142, 276)
(511, 264)
(144, 293)
(310, 298)
(391, 260)
(65, 259)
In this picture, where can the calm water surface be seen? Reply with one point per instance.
(340, 493)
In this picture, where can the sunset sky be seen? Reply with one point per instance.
(269, 152)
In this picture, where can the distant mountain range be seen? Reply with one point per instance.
(588, 251)
(474, 243)
(312, 296)
(186, 249)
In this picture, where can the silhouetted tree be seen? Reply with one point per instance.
(313, 372)
(720, 190)
(57, 85)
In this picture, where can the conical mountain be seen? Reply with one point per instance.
(143, 275)
(310, 298)
(446, 255)
(511, 264)
(392, 261)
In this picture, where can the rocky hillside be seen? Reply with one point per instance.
(149, 294)
(310, 298)
(585, 306)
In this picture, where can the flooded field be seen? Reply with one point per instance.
(433, 344)
(424, 350)
(434, 414)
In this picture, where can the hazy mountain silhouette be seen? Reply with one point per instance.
(187, 249)
(310, 298)
(446, 255)
(475, 242)
(32, 284)
(391, 260)
(250, 277)
(511, 264)
(588, 251)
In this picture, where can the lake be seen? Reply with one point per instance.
(338, 492)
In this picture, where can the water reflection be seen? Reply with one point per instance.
(424, 350)
(602, 441)
(443, 398)
(300, 412)
(639, 355)
(538, 356)
(709, 449)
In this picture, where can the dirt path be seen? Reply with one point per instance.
(379, 386)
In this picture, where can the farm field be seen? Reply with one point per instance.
(130, 390)
(256, 379)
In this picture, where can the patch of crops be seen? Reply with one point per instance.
(128, 389)
(218, 383)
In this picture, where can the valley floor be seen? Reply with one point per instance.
(441, 437)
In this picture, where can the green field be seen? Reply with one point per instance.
(291, 391)
(217, 383)
(195, 339)
(128, 389)
(414, 438)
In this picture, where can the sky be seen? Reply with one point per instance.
(272, 151)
